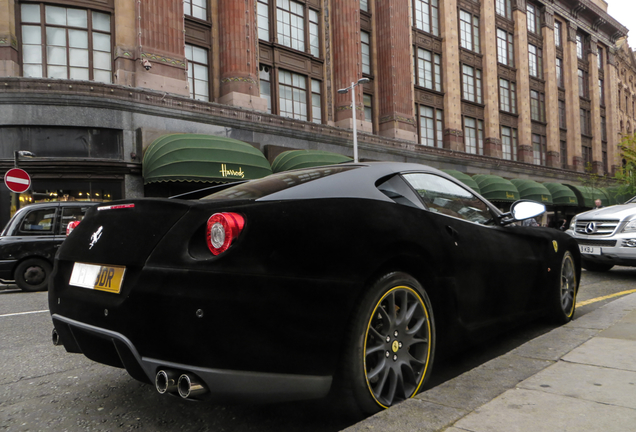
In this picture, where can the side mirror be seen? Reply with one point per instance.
(521, 210)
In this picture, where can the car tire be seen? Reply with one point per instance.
(563, 302)
(390, 344)
(595, 266)
(32, 274)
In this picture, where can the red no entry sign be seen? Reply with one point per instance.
(17, 180)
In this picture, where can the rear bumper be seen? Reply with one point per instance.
(115, 349)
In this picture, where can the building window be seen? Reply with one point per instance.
(429, 70)
(564, 154)
(585, 122)
(195, 8)
(539, 149)
(431, 126)
(427, 16)
(198, 72)
(469, 31)
(316, 102)
(292, 90)
(535, 62)
(559, 72)
(66, 43)
(291, 24)
(364, 5)
(471, 83)
(599, 58)
(562, 115)
(263, 19)
(582, 83)
(537, 106)
(266, 86)
(505, 48)
(366, 52)
(557, 33)
(532, 18)
(579, 46)
(314, 36)
(504, 8)
(601, 92)
(474, 135)
(586, 152)
(509, 143)
(507, 96)
(368, 108)
(603, 129)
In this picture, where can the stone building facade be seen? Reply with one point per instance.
(517, 88)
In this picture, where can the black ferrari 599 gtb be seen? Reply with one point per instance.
(281, 288)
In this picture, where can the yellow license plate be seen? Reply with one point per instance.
(98, 277)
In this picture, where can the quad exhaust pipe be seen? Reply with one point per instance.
(188, 385)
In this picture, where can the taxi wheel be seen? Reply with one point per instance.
(564, 294)
(391, 343)
(32, 274)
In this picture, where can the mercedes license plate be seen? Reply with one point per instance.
(98, 277)
(590, 250)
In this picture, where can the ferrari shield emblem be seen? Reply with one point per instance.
(555, 245)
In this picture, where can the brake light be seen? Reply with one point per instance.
(222, 230)
(71, 226)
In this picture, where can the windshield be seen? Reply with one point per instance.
(260, 188)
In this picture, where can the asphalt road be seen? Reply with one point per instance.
(44, 388)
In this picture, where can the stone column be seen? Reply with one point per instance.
(488, 37)
(239, 55)
(453, 131)
(159, 40)
(551, 91)
(595, 96)
(572, 105)
(526, 153)
(9, 65)
(395, 74)
(347, 59)
(611, 111)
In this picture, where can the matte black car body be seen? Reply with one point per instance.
(21, 242)
(267, 320)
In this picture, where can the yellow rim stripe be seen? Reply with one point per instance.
(428, 355)
(598, 299)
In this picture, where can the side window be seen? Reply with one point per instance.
(71, 214)
(38, 222)
(445, 197)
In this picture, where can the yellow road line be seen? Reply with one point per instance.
(598, 299)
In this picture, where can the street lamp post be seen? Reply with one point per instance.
(353, 112)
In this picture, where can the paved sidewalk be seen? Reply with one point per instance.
(580, 377)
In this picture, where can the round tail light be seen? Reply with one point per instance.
(222, 230)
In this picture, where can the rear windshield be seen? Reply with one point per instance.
(260, 188)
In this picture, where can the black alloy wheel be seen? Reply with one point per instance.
(393, 343)
(567, 290)
(32, 274)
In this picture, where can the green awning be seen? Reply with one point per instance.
(610, 195)
(561, 195)
(464, 178)
(295, 159)
(614, 193)
(495, 188)
(202, 158)
(584, 195)
(531, 190)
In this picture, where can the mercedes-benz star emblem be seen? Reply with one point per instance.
(590, 228)
(95, 237)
